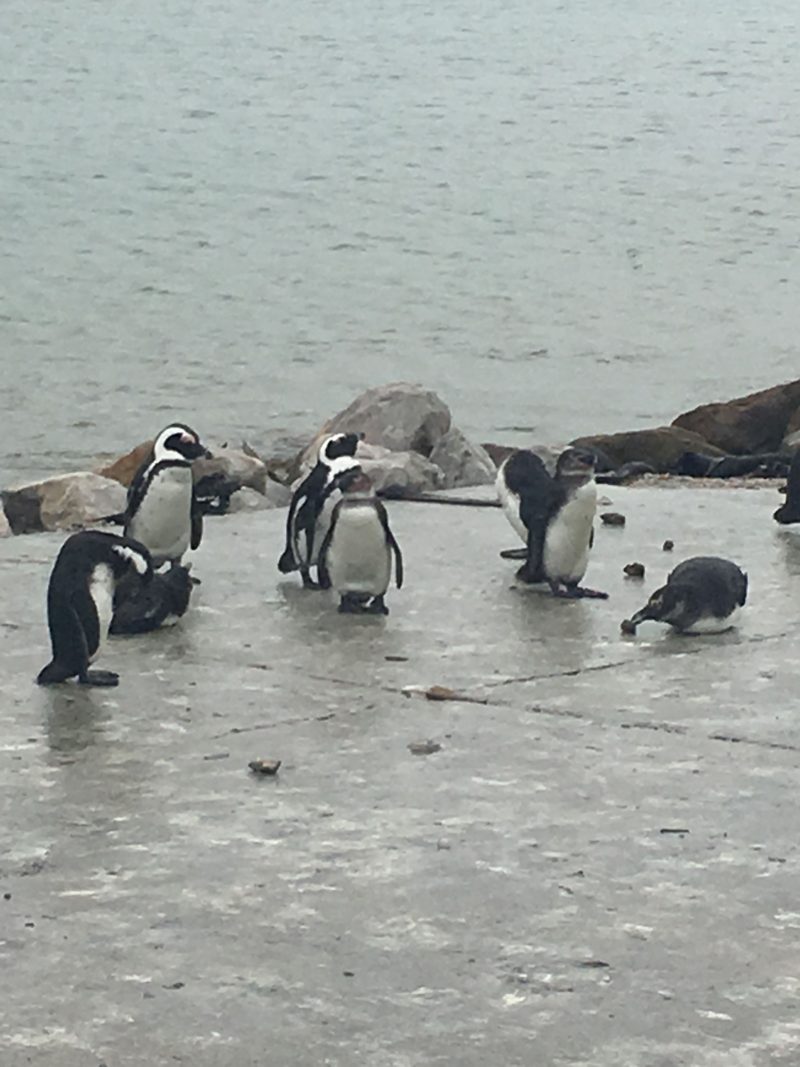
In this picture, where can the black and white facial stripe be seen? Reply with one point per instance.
(80, 598)
(162, 511)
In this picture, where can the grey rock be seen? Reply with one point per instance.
(408, 470)
(245, 499)
(62, 503)
(462, 462)
(400, 416)
(234, 463)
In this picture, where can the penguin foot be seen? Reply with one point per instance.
(377, 607)
(514, 553)
(308, 581)
(581, 591)
(528, 576)
(353, 604)
(287, 562)
(786, 515)
(108, 678)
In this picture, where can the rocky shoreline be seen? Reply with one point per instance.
(411, 446)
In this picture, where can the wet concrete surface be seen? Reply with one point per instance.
(598, 867)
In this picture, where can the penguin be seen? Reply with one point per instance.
(355, 559)
(789, 511)
(312, 505)
(80, 598)
(162, 602)
(162, 510)
(703, 595)
(554, 515)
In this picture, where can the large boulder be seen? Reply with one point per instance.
(748, 424)
(236, 464)
(401, 416)
(123, 468)
(63, 503)
(407, 471)
(660, 448)
(461, 462)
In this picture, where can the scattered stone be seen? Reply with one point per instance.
(6, 896)
(216, 755)
(759, 422)
(65, 502)
(660, 448)
(627, 626)
(264, 766)
(592, 963)
(424, 748)
(668, 546)
(462, 462)
(634, 570)
(673, 830)
(440, 692)
(612, 518)
(396, 659)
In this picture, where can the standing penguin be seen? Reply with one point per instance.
(554, 515)
(356, 556)
(162, 511)
(703, 595)
(80, 599)
(312, 505)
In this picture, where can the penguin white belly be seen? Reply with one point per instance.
(163, 520)
(713, 624)
(566, 543)
(101, 590)
(358, 557)
(510, 504)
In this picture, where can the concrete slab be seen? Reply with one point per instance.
(599, 867)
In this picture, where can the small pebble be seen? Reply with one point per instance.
(627, 627)
(612, 518)
(668, 546)
(424, 748)
(264, 766)
(634, 570)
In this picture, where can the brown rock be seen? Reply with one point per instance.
(62, 503)
(754, 423)
(124, 467)
(612, 518)
(634, 570)
(661, 447)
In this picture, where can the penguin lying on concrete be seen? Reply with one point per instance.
(162, 511)
(80, 599)
(312, 505)
(355, 559)
(141, 608)
(554, 515)
(703, 595)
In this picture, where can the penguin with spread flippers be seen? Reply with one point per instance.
(355, 559)
(162, 510)
(312, 505)
(703, 595)
(554, 516)
(80, 598)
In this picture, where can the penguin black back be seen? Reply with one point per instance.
(701, 594)
(79, 601)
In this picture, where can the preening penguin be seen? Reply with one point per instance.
(80, 602)
(554, 515)
(161, 602)
(162, 511)
(702, 595)
(355, 559)
(312, 505)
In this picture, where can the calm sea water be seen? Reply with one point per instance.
(564, 215)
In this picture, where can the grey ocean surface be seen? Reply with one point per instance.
(564, 216)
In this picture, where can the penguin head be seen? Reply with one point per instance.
(339, 444)
(178, 441)
(668, 604)
(577, 464)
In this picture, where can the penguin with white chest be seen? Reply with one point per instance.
(162, 511)
(313, 502)
(355, 559)
(703, 595)
(554, 516)
(80, 598)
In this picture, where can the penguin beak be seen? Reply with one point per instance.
(642, 615)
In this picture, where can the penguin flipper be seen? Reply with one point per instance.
(298, 516)
(136, 491)
(743, 596)
(322, 559)
(197, 522)
(392, 543)
(536, 509)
